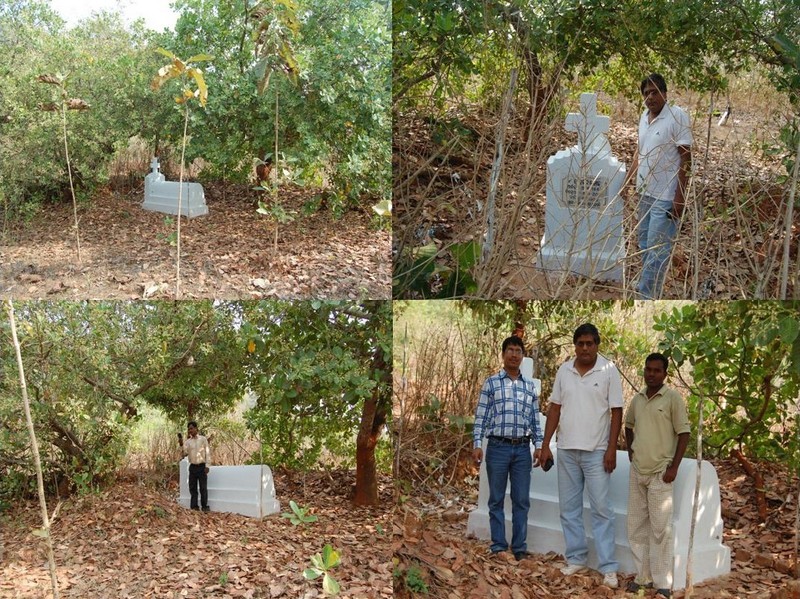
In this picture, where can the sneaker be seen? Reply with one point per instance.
(610, 580)
(206, 509)
(663, 593)
(521, 555)
(571, 569)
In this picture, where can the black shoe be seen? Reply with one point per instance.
(663, 593)
(206, 508)
(195, 509)
(634, 587)
(521, 555)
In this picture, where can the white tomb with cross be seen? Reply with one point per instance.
(583, 214)
(162, 196)
(711, 558)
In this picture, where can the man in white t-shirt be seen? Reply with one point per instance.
(661, 170)
(586, 407)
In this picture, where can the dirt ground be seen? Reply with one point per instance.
(227, 254)
(133, 541)
(430, 533)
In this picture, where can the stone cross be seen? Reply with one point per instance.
(590, 126)
(154, 164)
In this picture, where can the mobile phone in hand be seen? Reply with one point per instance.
(548, 464)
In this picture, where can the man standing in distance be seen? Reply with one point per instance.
(586, 407)
(661, 170)
(657, 432)
(199, 454)
(508, 413)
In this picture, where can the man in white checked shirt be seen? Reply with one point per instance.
(508, 414)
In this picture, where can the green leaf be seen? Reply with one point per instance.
(311, 573)
(383, 208)
(330, 557)
(789, 329)
(40, 532)
(329, 585)
(200, 58)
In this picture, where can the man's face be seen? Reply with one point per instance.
(512, 357)
(654, 373)
(586, 350)
(654, 98)
(193, 431)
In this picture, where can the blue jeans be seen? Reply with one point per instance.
(504, 461)
(576, 468)
(657, 229)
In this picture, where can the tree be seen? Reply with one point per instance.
(321, 371)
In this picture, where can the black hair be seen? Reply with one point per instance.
(656, 80)
(658, 357)
(586, 329)
(513, 340)
(191, 423)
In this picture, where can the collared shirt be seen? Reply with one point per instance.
(659, 158)
(507, 408)
(656, 423)
(586, 402)
(197, 450)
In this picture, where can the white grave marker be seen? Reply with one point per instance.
(711, 557)
(583, 214)
(246, 490)
(162, 196)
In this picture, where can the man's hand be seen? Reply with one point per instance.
(537, 454)
(544, 454)
(670, 474)
(207, 469)
(477, 456)
(678, 206)
(610, 460)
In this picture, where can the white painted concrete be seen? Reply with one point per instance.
(583, 212)
(246, 490)
(162, 196)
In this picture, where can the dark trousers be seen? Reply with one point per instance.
(197, 475)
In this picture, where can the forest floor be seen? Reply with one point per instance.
(227, 254)
(430, 533)
(136, 541)
(731, 240)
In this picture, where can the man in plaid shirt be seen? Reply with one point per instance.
(508, 414)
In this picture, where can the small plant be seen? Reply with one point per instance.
(298, 515)
(278, 213)
(62, 106)
(411, 578)
(223, 579)
(321, 564)
(181, 70)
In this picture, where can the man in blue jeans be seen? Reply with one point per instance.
(661, 171)
(586, 407)
(508, 414)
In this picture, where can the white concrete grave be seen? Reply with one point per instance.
(711, 557)
(246, 490)
(162, 196)
(583, 214)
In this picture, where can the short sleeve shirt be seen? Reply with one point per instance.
(586, 402)
(659, 158)
(656, 423)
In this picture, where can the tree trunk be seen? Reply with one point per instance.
(758, 483)
(373, 417)
(45, 531)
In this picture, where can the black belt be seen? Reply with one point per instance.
(511, 440)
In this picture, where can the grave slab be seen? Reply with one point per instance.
(711, 557)
(162, 196)
(583, 211)
(246, 490)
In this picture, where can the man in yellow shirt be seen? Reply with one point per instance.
(657, 432)
(199, 453)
